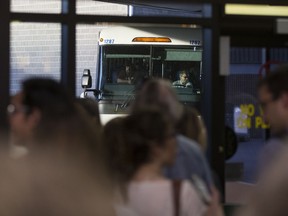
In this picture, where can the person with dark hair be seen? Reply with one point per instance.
(190, 163)
(43, 117)
(273, 99)
(91, 107)
(40, 100)
(115, 152)
(150, 141)
(269, 197)
(117, 161)
(62, 143)
(190, 159)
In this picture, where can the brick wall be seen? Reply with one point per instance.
(36, 47)
(35, 50)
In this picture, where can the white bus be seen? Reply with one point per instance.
(129, 55)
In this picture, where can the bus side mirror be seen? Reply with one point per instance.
(86, 80)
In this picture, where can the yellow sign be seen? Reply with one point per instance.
(247, 118)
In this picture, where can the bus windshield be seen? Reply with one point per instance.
(128, 56)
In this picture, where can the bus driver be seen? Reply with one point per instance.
(183, 81)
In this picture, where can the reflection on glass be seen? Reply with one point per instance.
(100, 8)
(36, 6)
(35, 51)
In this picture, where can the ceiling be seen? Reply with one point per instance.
(184, 5)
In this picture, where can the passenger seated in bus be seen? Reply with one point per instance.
(139, 74)
(183, 80)
(124, 75)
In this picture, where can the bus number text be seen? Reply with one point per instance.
(195, 42)
(109, 41)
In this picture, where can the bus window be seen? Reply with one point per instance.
(125, 64)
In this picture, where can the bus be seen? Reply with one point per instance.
(130, 55)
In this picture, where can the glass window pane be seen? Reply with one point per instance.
(242, 110)
(35, 51)
(244, 116)
(101, 8)
(36, 6)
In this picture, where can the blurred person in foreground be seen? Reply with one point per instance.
(190, 159)
(117, 161)
(46, 120)
(143, 143)
(273, 99)
(190, 162)
(90, 105)
(44, 117)
(192, 126)
(270, 195)
(45, 187)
